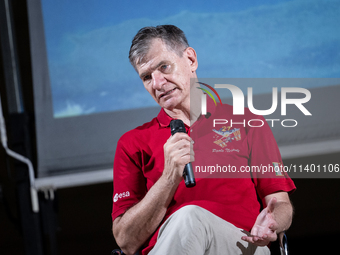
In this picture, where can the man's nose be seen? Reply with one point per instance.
(158, 80)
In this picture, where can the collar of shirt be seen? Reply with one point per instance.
(164, 119)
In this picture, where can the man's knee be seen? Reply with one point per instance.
(189, 209)
(184, 229)
(190, 217)
(190, 213)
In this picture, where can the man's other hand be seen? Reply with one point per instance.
(264, 229)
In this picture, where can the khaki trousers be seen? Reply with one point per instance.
(193, 230)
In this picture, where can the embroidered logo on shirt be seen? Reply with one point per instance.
(226, 135)
(121, 195)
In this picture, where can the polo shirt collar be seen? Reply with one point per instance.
(163, 118)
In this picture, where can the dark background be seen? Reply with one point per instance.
(83, 214)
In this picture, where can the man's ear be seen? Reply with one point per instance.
(192, 57)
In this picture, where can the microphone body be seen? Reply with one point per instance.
(188, 173)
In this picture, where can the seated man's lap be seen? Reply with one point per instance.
(195, 230)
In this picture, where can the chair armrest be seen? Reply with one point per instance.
(117, 252)
(283, 243)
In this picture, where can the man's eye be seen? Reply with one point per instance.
(164, 68)
(146, 77)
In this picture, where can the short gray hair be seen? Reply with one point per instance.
(172, 36)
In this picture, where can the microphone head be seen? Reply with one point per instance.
(177, 126)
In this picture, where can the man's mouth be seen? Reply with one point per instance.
(167, 93)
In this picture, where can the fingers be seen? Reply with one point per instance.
(177, 153)
(180, 145)
(260, 240)
(255, 240)
(262, 234)
(180, 136)
(264, 229)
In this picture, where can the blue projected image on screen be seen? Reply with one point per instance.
(88, 43)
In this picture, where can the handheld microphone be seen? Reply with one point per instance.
(188, 173)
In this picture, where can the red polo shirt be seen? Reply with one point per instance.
(139, 162)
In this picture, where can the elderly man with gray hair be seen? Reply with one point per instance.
(153, 211)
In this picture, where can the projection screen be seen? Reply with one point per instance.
(87, 94)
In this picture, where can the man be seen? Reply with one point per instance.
(153, 211)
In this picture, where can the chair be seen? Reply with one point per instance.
(283, 243)
(282, 239)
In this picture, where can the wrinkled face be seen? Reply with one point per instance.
(166, 76)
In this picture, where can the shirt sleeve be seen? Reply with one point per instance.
(265, 157)
(129, 184)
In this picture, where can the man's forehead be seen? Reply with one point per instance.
(145, 66)
(158, 52)
(156, 48)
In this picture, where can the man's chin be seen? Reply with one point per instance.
(169, 105)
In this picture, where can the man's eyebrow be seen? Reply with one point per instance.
(153, 68)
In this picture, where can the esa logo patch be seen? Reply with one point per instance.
(121, 195)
